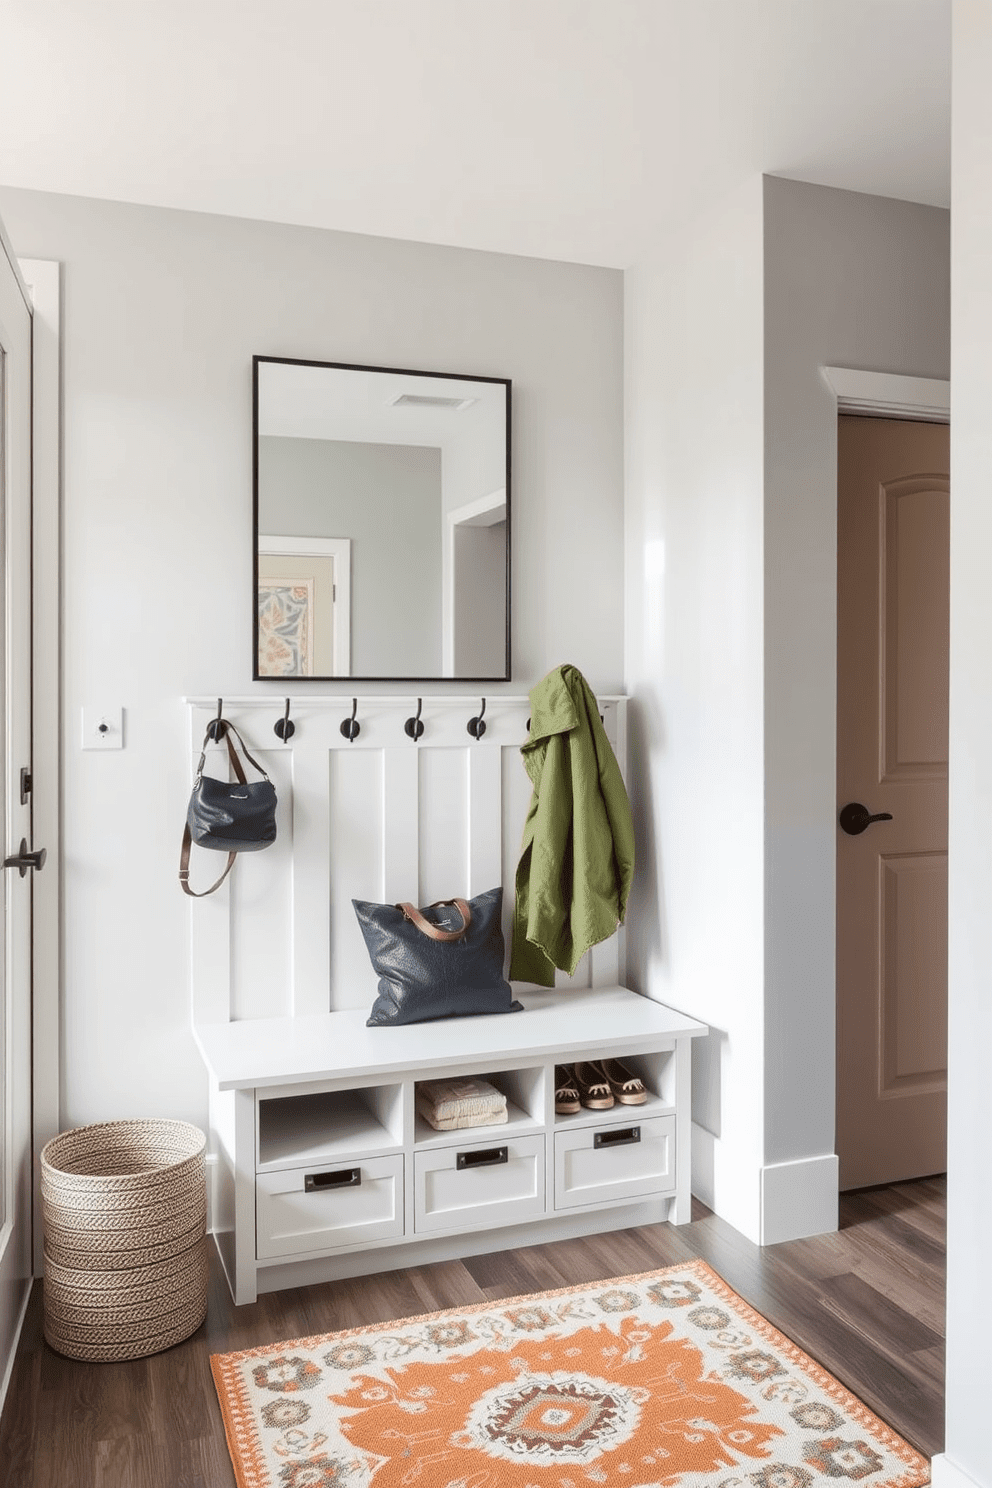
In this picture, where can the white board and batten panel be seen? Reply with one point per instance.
(383, 818)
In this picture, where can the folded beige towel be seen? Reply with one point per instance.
(460, 1123)
(460, 1097)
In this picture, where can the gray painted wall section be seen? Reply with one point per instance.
(480, 600)
(731, 653)
(852, 281)
(163, 312)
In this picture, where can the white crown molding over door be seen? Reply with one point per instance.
(44, 284)
(889, 395)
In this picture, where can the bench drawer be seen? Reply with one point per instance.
(601, 1164)
(299, 1211)
(479, 1183)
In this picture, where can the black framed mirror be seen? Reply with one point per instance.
(381, 523)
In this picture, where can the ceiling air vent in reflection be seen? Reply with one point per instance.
(428, 400)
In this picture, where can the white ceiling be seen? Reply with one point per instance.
(298, 400)
(574, 129)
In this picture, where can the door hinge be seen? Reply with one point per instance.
(25, 784)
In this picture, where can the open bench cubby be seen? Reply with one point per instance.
(298, 1130)
(326, 1169)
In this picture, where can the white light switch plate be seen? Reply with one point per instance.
(103, 728)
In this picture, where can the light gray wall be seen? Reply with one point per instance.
(163, 311)
(387, 499)
(480, 600)
(850, 281)
(694, 657)
(731, 622)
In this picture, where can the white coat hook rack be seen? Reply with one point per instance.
(374, 720)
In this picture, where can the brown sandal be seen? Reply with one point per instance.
(566, 1092)
(624, 1084)
(594, 1088)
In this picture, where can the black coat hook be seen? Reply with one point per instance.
(413, 726)
(217, 728)
(601, 719)
(284, 728)
(475, 726)
(350, 727)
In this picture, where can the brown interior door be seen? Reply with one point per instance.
(892, 663)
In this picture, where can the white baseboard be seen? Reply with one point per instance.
(727, 1180)
(799, 1198)
(703, 1165)
(796, 1199)
(9, 1366)
(945, 1474)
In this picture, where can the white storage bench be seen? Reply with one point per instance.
(322, 1166)
(325, 1169)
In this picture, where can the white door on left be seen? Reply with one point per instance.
(15, 806)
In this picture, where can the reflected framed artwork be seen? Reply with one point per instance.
(303, 594)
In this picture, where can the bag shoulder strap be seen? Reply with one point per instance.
(411, 913)
(232, 754)
(184, 868)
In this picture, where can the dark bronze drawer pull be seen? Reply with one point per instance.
(487, 1157)
(343, 1178)
(617, 1136)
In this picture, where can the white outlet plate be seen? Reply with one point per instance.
(103, 728)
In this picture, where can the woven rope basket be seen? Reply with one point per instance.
(124, 1207)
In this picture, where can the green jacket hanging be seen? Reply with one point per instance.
(577, 860)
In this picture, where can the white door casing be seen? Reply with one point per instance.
(43, 280)
(15, 658)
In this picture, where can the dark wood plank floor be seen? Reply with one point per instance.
(867, 1302)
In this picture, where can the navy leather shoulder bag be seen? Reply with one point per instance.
(229, 816)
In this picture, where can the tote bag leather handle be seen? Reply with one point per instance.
(411, 913)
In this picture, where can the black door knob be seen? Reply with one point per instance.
(854, 818)
(23, 860)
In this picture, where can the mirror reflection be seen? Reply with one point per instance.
(381, 523)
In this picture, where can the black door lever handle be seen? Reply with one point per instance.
(854, 818)
(23, 860)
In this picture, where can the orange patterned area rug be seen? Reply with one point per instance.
(666, 1378)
